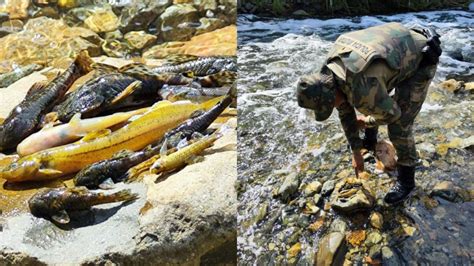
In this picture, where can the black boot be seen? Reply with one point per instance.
(370, 138)
(404, 185)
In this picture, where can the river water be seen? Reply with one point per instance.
(277, 138)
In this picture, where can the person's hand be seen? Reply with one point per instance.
(357, 162)
(361, 122)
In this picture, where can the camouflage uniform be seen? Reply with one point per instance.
(369, 64)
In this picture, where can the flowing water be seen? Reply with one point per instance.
(277, 138)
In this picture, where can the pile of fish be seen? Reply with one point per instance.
(151, 119)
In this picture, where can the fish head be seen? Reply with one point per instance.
(13, 131)
(87, 177)
(21, 170)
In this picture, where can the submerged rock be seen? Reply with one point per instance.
(102, 20)
(44, 39)
(328, 187)
(376, 220)
(209, 24)
(289, 186)
(219, 42)
(447, 190)
(332, 249)
(140, 16)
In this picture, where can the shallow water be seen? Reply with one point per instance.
(276, 138)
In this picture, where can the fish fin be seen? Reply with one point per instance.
(197, 113)
(84, 62)
(37, 86)
(197, 136)
(61, 217)
(211, 103)
(49, 172)
(164, 147)
(125, 195)
(107, 184)
(182, 143)
(75, 120)
(1, 120)
(52, 74)
(49, 119)
(127, 91)
(96, 134)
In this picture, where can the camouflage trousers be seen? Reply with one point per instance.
(409, 95)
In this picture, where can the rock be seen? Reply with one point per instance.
(350, 195)
(208, 5)
(140, 16)
(442, 149)
(332, 249)
(113, 35)
(452, 85)
(389, 258)
(102, 20)
(426, 149)
(47, 12)
(311, 208)
(316, 225)
(289, 186)
(328, 187)
(175, 22)
(17, 9)
(209, 24)
(18, 73)
(338, 225)
(447, 190)
(139, 39)
(316, 199)
(300, 13)
(376, 220)
(386, 156)
(469, 87)
(356, 238)
(221, 42)
(37, 42)
(294, 250)
(373, 238)
(312, 188)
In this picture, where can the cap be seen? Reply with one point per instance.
(316, 92)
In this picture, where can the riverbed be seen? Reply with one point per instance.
(280, 143)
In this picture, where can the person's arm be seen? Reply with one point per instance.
(371, 98)
(348, 119)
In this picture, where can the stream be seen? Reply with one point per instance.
(281, 144)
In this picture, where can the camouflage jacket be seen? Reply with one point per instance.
(370, 63)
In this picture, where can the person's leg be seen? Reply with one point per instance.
(410, 95)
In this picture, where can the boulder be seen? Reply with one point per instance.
(332, 249)
(219, 42)
(351, 195)
(176, 23)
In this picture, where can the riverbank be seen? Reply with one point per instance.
(339, 8)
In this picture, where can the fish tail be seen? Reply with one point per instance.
(211, 103)
(123, 195)
(84, 62)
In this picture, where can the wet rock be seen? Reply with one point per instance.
(447, 190)
(316, 225)
(390, 258)
(46, 12)
(113, 35)
(116, 48)
(209, 24)
(289, 186)
(102, 20)
(140, 16)
(311, 208)
(328, 187)
(312, 188)
(332, 249)
(300, 13)
(316, 199)
(469, 87)
(139, 39)
(18, 73)
(208, 5)
(350, 195)
(175, 22)
(44, 39)
(373, 238)
(18, 258)
(376, 220)
(455, 143)
(452, 85)
(338, 225)
(356, 238)
(294, 250)
(219, 42)
(426, 149)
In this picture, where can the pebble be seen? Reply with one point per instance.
(312, 188)
(376, 220)
(373, 238)
(328, 187)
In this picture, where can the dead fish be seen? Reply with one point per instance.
(9, 78)
(202, 66)
(195, 94)
(130, 86)
(25, 117)
(55, 203)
